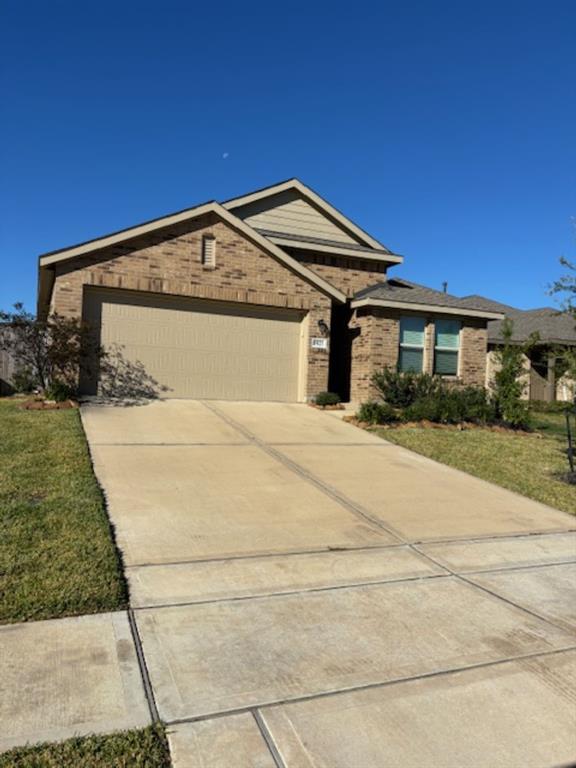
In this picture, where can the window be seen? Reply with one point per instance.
(411, 356)
(446, 346)
(209, 252)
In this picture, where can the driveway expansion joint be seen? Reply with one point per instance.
(370, 686)
(263, 555)
(308, 476)
(465, 539)
(492, 594)
(512, 568)
(351, 506)
(305, 591)
(269, 739)
(148, 689)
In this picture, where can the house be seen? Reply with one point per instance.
(274, 295)
(7, 368)
(546, 375)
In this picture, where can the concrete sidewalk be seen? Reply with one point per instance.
(69, 677)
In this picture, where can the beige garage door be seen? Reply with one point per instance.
(198, 349)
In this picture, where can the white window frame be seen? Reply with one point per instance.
(457, 349)
(402, 346)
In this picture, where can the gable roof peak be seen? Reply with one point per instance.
(312, 198)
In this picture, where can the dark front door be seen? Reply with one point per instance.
(340, 351)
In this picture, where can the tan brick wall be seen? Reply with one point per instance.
(169, 262)
(376, 342)
(346, 274)
(375, 346)
(473, 352)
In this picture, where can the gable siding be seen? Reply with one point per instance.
(287, 212)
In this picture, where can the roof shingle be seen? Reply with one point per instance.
(404, 291)
(553, 326)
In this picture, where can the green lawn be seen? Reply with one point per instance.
(130, 749)
(57, 556)
(532, 464)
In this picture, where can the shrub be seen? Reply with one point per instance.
(327, 398)
(402, 389)
(427, 409)
(60, 391)
(53, 349)
(376, 413)
(453, 406)
(507, 386)
(475, 405)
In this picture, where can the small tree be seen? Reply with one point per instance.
(507, 387)
(51, 351)
(566, 286)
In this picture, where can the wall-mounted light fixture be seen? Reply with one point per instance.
(324, 330)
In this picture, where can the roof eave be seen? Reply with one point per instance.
(49, 260)
(430, 308)
(385, 258)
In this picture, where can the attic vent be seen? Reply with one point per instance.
(209, 251)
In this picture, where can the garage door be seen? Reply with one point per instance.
(198, 349)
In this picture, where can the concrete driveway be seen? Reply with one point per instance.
(308, 595)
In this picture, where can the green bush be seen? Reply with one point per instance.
(59, 391)
(453, 406)
(507, 387)
(376, 413)
(402, 389)
(327, 398)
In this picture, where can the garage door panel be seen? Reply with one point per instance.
(203, 349)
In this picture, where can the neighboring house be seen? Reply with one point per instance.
(546, 377)
(274, 295)
(7, 369)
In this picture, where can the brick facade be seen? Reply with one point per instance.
(473, 352)
(347, 274)
(168, 261)
(376, 338)
(376, 335)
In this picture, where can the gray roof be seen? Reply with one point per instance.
(475, 300)
(322, 241)
(404, 291)
(551, 325)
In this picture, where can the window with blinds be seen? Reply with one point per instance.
(446, 347)
(411, 352)
(209, 252)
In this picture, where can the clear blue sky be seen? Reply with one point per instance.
(446, 129)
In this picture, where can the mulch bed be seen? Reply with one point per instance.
(337, 407)
(38, 404)
(464, 427)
